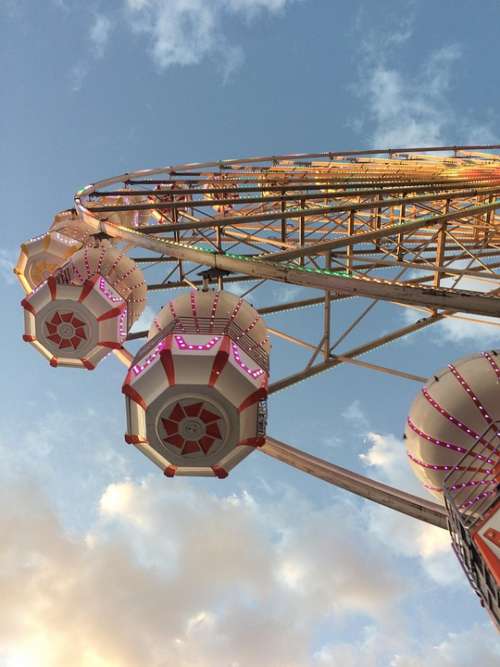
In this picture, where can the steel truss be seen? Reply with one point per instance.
(414, 228)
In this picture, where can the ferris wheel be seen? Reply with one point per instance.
(408, 227)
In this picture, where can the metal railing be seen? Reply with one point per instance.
(209, 327)
(471, 490)
(219, 326)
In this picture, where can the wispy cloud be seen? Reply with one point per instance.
(463, 328)
(7, 262)
(144, 321)
(99, 34)
(458, 649)
(215, 580)
(386, 455)
(186, 32)
(410, 107)
(412, 110)
(354, 414)
(472, 646)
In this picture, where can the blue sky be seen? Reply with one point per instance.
(104, 562)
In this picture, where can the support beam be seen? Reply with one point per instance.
(355, 352)
(388, 230)
(312, 211)
(465, 301)
(395, 499)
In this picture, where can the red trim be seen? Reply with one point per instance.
(220, 360)
(134, 396)
(28, 338)
(493, 536)
(488, 514)
(88, 364)
(257, 441)
(52, 285)
(109, 314)
(53, 362)
(492, 562)
(111, 344)
(128, 377)
(27, 306)
(167, 361)
(219, 472)
(87, 287)
(170, 471)
(133, 439)
(258, 395)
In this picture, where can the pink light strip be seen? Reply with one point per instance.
(468, 503)
(257, 372)
(192, 297)
(470, 393)
(101, 258)
(138, 368)
(234, 313)
(86, 261)
(214, 309)
(445, 444)
(109, 295)
(493, 364)
(174, 315)
(470, 483)
(430, 466)
(249, 327)
(454, 420)
(122, 326)
(204, 347)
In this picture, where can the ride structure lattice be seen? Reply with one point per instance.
(412, 228)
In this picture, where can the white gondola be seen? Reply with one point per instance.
(83, 311)
(449, 415)
(196, 392)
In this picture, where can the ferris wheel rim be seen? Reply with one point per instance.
(126, 176)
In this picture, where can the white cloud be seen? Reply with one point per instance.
(99, 34)
(170, 573)
(402, 534)
(354, 414)
(474, 646)
(412, 111)
(8, 260)
(184, 32)
(78, 75)
(283, 292)
(387, 454)
(144, 321)
(463, 328)
(470, 647)
(410, 108)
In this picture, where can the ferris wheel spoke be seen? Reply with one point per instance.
(388, 230)
(472, 302)
(327, 364)
(396, 499)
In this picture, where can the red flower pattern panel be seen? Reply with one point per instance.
(191, 428)
(66, 330)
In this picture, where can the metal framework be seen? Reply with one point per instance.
(470, 500)
(413, 228)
